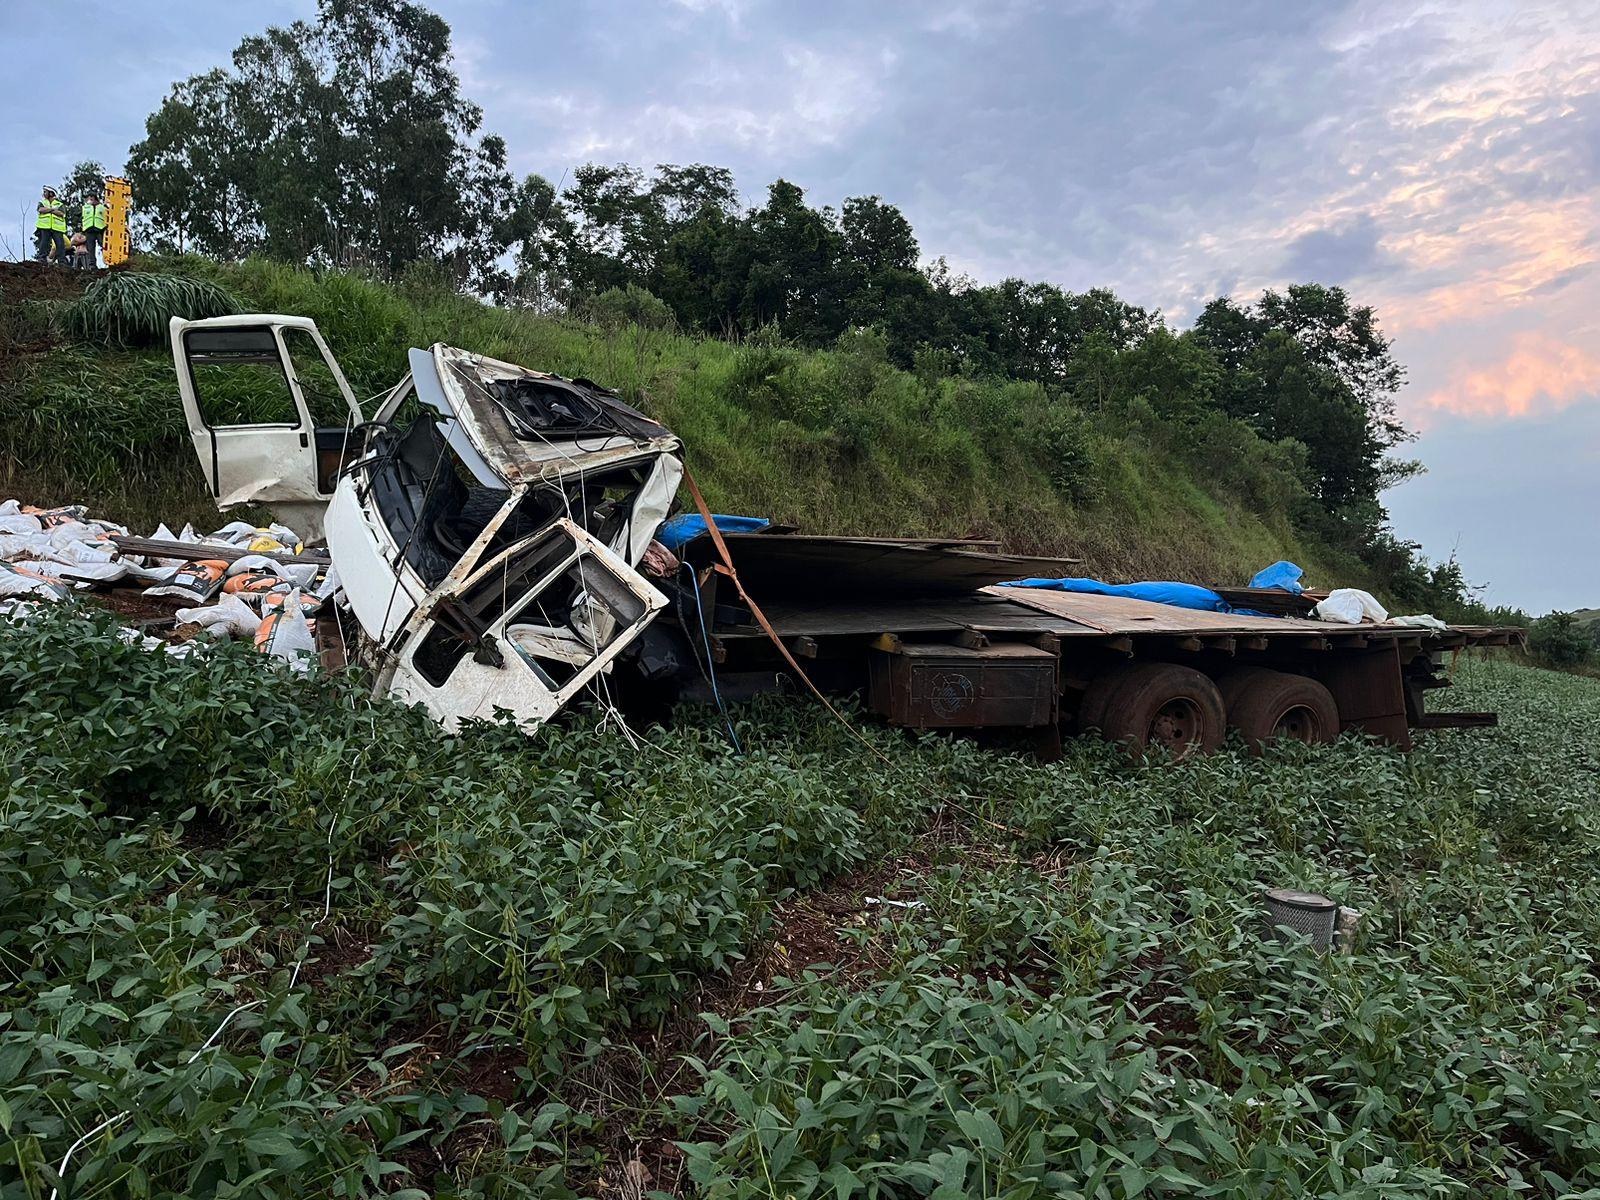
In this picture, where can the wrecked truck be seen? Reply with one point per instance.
(488, 522)
(484, 522)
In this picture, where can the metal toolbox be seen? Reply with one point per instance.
(940, 686)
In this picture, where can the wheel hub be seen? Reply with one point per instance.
(1176, 726)
(1298, 724)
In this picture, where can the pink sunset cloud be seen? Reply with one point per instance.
(1542, 374)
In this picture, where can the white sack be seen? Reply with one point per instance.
(229, 615)
(1350, 606)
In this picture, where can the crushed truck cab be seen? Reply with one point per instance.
(484, 522)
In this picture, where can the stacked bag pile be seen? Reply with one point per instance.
(48, 554)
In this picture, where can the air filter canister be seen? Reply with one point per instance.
(1306, 913)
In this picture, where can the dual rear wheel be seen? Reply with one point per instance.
(1184, 712)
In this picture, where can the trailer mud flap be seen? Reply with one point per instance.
(1368, 689)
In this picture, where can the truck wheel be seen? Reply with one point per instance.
(1160, 704)
(1236, 682)
(1091, 716)
(1267, 705)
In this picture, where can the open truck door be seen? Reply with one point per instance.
(269, 412)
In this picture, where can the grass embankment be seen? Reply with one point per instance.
(837, 441)
(255, 926)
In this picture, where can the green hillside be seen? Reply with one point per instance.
(836, 440)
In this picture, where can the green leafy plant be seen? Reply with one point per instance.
(258, 927)
(129, 308)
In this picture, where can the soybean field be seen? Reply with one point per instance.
(261, 935)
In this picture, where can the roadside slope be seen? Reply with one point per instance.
(836, 441)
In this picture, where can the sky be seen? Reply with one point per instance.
(1439, 160)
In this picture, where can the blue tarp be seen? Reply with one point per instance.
(685, 527)
(1182, 595)
(1284, 576)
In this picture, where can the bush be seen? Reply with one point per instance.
(1067, 447)
(129, 308)
(631, 305)
(1561, 640)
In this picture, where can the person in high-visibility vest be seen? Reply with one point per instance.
(50, 228)
(94, 224)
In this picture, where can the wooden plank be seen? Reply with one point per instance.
(803, 647)
(949, 616)
(194, 552)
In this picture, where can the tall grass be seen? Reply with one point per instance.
(128, 308)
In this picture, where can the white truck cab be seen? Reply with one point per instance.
(485, 522)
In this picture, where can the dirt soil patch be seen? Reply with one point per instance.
(154, 615)
(36, 281)
(815, 929)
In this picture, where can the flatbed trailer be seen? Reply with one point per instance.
(1057, 662)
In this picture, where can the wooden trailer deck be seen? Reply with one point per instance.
(1118, 616)
(1031, 611)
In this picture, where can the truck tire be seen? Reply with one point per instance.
(1265, 705)
(1092, 708)
(1158, 704)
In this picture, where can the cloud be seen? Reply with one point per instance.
(734, 11)
(1338, 254)
(1542, 374)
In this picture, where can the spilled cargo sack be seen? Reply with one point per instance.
(228, 616)
(1350, 606)
(195, 581)
(18, 581)
(49, 518)
(251, 586)
(287, 630)
(258, 537)
(297, 574)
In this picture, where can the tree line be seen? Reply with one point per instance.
(345, 141)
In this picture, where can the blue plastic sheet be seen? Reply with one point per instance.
(1181, 595)
(685, 527)
(1284, 576)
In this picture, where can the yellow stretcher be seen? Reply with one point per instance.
(118, 201)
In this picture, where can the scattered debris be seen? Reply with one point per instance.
(168, 590)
